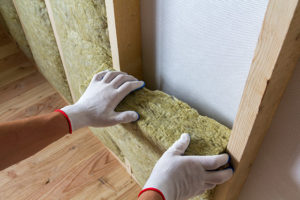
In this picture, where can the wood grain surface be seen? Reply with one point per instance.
(124, 27)
(77, 166)
(276, 55)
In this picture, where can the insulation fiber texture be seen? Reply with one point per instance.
(11, 19)
(82, 30)
(34, 18)
(83, 33)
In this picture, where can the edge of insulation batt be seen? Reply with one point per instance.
(39, 34)
(82, 30)
(77, 47)
(12, 22)
(4, 29)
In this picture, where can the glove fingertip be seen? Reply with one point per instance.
(99, 76)
(139, 88)
(231, 168)
(125, 117)
(185, 137)
(229, 173)
(138, 117)
(229, 159)
(144, 84)
(133, 115)
(181, 144)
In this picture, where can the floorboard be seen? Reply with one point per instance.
(77, 166)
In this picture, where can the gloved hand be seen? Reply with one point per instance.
(181, 177)
(96, 107)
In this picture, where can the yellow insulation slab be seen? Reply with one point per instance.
(92, 40)
(35, 21)
(11, 19)
(82, 31)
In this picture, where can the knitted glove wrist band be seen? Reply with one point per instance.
(153, 189)
(67, 117)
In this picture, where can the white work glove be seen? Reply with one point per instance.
(181, 177)
(96, 107)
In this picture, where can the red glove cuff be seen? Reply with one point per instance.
(153, 189)
(68, 119)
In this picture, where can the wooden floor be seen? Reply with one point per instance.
(77, 166)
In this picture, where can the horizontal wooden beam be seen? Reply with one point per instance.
(276, 55)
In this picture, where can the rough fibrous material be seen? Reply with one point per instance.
(87, 50)
(81, 26)
(34, 18)
(13, 24)
(82, 29)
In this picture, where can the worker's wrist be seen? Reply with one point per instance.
(76, 116)
(151, 193)
(66, 118)
(161, 184)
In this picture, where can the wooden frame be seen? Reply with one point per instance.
(51, 18)
(276, 55)
(123, 19)
(61, 95)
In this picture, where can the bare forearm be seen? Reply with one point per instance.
(23, 138)
(150, 195)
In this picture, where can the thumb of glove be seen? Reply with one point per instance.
(179, 147)
(125, 117)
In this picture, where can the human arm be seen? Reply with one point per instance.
(150, 195)
(22, 138)
(180, 177)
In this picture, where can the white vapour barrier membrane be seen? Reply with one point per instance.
(201, 51)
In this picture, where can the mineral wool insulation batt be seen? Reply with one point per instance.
(81, 27)
(39, 34)
(11, 19)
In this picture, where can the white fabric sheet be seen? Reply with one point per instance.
(201, 50)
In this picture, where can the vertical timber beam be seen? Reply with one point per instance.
(123, 19)
(15, 2)
(57, 38)
(129, 15)
(276, 55)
